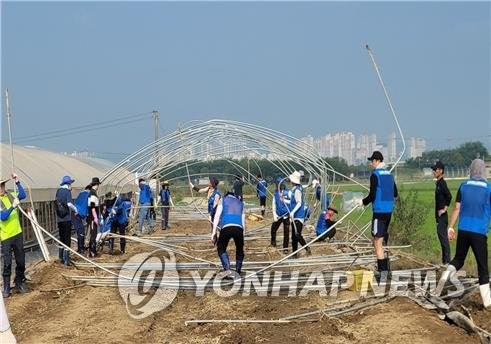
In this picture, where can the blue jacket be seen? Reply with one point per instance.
(165, 196)
(281, 207)
(475, 206)
(145, 194)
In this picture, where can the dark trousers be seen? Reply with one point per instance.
(93, 237)
(226, 234)
(121, 230)
(165, 215)
(80, 230)
(16, 244)
(286, 231)
(65, 232)
(441, 229)
(297, 235)
(479, 245)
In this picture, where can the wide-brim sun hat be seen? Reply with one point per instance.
(295, 177)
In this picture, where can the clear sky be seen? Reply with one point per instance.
(298, 67)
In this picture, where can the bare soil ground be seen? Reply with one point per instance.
(85, 314)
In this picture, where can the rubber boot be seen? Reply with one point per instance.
(225, 261)
(238, 266)
(6, 287)
(262, 212)
(60, 254)
(66, 258)
(485, 295)
(122, 246)
(451, 270)
(20, 285)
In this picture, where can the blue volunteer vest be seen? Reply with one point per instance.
(211, 200)
(165, 196)
(300, 213)
(281, 207)
(321, 225)
(475, 207)
(232, 212)
(384, 196)
(261, 188)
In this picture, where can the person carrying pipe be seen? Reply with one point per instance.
(382, 195)
(261, 191)
(280, 204)
(65, 210)
(11, 236)
(144, 202)
(297, 212)
(473, 209)
(230, 217)
(213, 196)
(94, 219)
(166, 199)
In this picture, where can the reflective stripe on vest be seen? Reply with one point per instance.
(231, 212)
(384, 196)
(10, 227)
(475, 207)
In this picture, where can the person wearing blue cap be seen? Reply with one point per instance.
(64, 208)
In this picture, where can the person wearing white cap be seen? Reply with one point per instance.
(11, 236)
(473, 209)
(297, 212)
(64, 208)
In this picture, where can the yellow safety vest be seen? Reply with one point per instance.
(10, 227)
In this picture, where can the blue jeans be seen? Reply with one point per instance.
(144, 214)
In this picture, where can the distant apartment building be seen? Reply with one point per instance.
(416, 147)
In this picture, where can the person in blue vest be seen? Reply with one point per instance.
(297, 212)
(144, 202)
(166, 200)
(325, 224)
(281, 214)
(65, 210)
(473, 210)
(316, 184)
(261, 191)
(230, 217)
(121, 211)
(213, 196)
(382, 195)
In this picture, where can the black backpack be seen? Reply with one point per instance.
(61, 208)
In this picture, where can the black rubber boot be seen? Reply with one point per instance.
(6, 287)
(60, 254)
(66, 258)
(20, 285)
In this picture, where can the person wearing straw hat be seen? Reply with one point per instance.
(64, 209)
(297, 212)
(11, 236)
(383, 192)
(473, 210)
(166, 199)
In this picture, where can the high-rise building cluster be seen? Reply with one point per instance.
(355, 150)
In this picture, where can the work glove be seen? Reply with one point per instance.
(359, 203)
(191, 185)
(15, 203)
(451, 233)
(113, 211)
(15, 178)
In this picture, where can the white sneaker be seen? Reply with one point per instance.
(485, 295)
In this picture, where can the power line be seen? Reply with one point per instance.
(84, 128)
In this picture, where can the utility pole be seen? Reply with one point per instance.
(155, 114)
